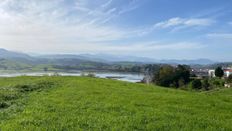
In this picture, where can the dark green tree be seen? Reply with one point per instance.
(219, 72)
(182, 72)
(196, 84)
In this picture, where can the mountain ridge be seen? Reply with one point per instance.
(103, 58)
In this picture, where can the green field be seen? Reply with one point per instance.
(79, 103)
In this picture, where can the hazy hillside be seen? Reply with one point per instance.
(13, 55)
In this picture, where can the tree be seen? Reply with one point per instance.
(182, 72)
(165, 76)
(219, 72)
(196, 84)
(169, 76)
(205, 84)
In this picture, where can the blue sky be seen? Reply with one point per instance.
(159, 29)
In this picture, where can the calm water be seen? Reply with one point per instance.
(129, 77)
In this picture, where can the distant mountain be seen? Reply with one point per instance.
(117, 58)
(99, 58)
(189, 62)
(145, 60)
(61, 56)
(106, 58)
(11, 54)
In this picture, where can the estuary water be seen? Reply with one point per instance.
(129, 77)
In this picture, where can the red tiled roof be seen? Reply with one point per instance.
(230, 70)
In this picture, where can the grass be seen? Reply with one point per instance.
(80, 103)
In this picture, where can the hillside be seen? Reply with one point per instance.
(74, 103)
(13, 55)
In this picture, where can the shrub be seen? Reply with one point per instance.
(216, 83)
(229, 79)
(8, 97)
(36, 86)
(181, 83)
(3, 105)
(25, 88)
(205, 84)
(196, 84)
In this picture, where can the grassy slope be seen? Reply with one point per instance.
(88, 103)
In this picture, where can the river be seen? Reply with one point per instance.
(129, 77)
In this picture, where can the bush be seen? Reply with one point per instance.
(217, 82)
(36, 86)
(3, 105)
(205, 84)
(25, 88)
(8, 97)
(229, 79)
(196, 84)
(181, 83)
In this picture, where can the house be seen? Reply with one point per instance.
(227, 72)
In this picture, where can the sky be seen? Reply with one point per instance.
(159, 29)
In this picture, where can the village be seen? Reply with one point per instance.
(210, 74)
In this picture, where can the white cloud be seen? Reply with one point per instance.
(26, 23)
(174, 22)
(107, 3)
(177, 23)
(49, 26)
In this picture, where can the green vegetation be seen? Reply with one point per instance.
(170, 76)
(219, 72)
(75, 103)
(229, 79)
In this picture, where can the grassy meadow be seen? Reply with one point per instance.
(81, 103)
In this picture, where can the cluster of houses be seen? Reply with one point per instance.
(227, 72)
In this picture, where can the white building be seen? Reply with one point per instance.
(211, 73)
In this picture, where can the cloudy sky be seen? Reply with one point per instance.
(160, 29)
